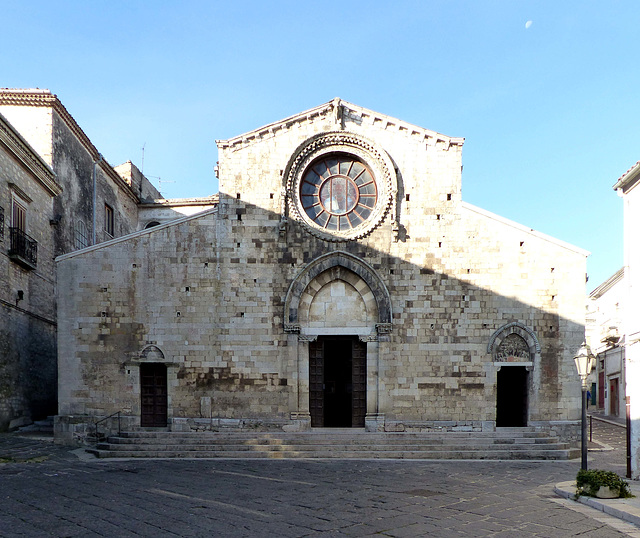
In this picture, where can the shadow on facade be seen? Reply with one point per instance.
(261, 325)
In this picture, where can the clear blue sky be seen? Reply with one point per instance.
(546, 93)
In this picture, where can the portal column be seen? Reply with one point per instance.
(300, 346)
(377, 350)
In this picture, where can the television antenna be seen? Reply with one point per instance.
(161, 182)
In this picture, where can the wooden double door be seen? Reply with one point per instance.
(337, 382)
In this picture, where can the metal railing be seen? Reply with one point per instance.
(23, 246)
(95, 424)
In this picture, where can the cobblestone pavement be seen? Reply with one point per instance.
(46, 490)
(609, 449)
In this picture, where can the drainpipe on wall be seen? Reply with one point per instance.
(95, 164)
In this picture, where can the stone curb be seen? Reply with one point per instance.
(625, 509)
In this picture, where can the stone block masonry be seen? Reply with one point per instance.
(267, 316)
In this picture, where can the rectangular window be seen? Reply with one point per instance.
(24, 248)
(18, 215)
(108, 219)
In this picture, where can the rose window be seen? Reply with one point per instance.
(338, 192)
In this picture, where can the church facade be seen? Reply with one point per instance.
(340, 282)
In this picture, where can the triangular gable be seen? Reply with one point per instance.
(337, 109)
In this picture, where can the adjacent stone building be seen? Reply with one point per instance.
(28, 372)
(57, 194)
(340, 282)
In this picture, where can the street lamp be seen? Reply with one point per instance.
(585, 360)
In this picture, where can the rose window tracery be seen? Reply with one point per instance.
(340, 186)
(338, 192)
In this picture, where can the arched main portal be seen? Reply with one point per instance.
(338, 315)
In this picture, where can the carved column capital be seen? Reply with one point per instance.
(368, 338)
(307, 338)
(292, 328)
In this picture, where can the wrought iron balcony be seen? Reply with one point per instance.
(23, 249)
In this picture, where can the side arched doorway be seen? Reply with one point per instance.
(514, 349)
(337, 314)
(153, 394)
(512, 397)
(154, 387)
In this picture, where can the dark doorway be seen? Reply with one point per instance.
(614, 397)
(153, 394)
(338, 382)
(601, 389)
(512, 402)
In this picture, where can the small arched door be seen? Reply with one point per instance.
(153, 394)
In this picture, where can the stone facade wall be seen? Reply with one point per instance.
(74, 166)
(214, 294)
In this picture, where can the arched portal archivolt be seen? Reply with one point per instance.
(337, 297)
(152, 353)
(331, 267)
(514, 339)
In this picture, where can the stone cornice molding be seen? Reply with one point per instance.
(339, 112)
(468, 208)
(28, 157)
(44, 98)
(608, 284)
(134, 235)
(212, 200)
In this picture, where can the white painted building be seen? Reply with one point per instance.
(627, 188)
(604, 336)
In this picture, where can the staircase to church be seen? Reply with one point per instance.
(505, 443)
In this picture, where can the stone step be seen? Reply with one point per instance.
(334, 433)
(39, 426)
(335, 444)
(118, 448)
(346, 454)
(276, 441)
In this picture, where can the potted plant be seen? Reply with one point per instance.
(601, 484)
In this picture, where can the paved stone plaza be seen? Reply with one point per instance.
(47, 490)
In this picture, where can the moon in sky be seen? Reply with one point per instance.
(528, 24)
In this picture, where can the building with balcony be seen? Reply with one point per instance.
(28, 188)
(57, 195)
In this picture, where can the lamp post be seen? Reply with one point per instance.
(584, 363)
